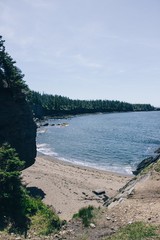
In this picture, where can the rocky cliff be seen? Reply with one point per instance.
(16, 125)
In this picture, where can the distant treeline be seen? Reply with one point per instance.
(50, 105)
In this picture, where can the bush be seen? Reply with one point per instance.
(86, 214)
(43, 218)
(17, 208)
(12, 194)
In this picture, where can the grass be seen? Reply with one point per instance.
(157, 166)
(146, 169)
(43, 220)
(135, 231)
(86, 214)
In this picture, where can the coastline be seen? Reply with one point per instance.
(67, 187)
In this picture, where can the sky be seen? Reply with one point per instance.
(86, 49)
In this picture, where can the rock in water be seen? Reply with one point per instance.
(17, 126)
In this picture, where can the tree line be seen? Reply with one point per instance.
(47, 104)
(11, 79)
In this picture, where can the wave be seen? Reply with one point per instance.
(41, 131)
(45, 148)
(127, 169)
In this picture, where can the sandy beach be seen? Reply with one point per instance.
(68, 187)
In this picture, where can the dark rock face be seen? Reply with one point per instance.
(145, 163)
(17, 126)
(157, 151)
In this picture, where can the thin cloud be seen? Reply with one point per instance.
(81, 60)
(39, 3)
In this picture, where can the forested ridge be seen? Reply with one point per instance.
(47, 104)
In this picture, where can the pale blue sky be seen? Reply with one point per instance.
(86, 49)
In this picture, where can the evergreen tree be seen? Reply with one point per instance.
(11, 76)
(47, 104)
(12, 194)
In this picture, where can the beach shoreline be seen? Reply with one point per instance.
(67, 187)
(82, 165)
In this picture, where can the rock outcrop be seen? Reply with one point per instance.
(124, 192)
(157, 151)
(145, 163)
(151, 176)
(17, 126)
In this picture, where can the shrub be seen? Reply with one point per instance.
(17, 208)
(12, 194)
(43, 218)
(86, 214)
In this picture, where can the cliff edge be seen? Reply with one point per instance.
(17, 127)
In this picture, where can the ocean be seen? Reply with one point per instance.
(114, 142)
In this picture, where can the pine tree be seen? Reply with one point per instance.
(11, 76)
(12, 194)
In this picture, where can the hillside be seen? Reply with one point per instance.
(135, 205)
(137, 201)
(51, 105)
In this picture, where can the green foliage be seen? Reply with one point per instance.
(146, 169)
(11, 76)
(12, 193)
(157, 166)
(17, 208)
(142, 107)
(9, 160)
(46, 104)
(134, 231)
(45, 221)
(86, 214)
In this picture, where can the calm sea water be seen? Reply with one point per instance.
(116, 142)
